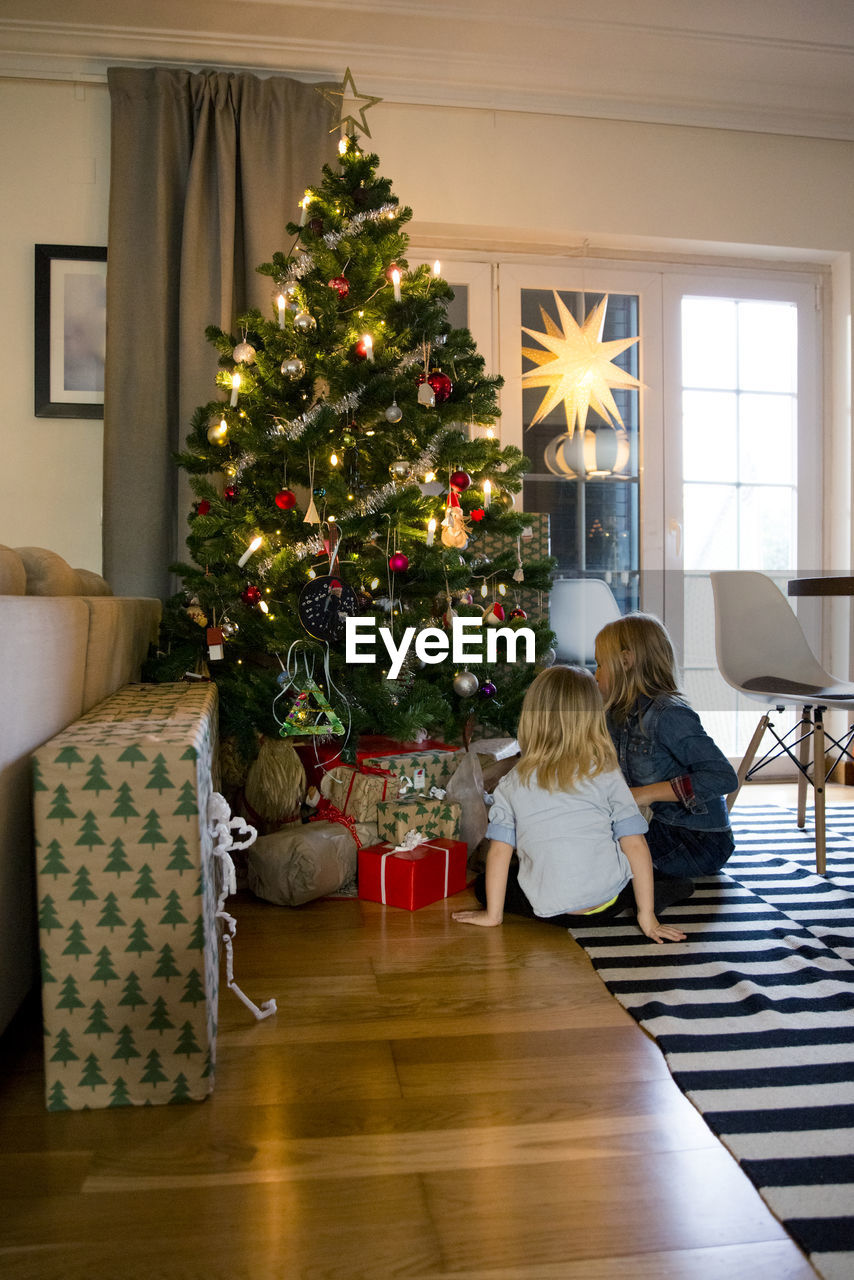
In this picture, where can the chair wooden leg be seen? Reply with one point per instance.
(819, 775)
(804, 757)
(748, 758)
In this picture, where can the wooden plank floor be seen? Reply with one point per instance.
(430, 1101)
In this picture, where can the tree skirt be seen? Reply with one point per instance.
(755, 1017)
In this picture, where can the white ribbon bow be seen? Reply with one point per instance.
(225, 829)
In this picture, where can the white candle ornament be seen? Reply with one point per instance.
(395, 280)
(250, 551)
(431, 530)
(368, 344)
(281, 304)
(235, 387)
(487, 494)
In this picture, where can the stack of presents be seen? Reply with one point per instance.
(130, 881)
(397, 824)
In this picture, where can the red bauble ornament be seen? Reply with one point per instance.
(230, 492)
(398, 562)
(203, 507)
(477, 515)
(361, 349)
(286, 499)
(460, 480)
(518, 613)
(441, 384)
(250, 595)
(341, 285)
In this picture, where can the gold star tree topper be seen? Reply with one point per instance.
(576, 366)
(351, 103)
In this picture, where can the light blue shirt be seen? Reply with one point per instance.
(566, 841)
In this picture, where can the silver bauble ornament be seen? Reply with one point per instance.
(401, 469)
(293, 367)
(394, 413)
(549, 658)
(304, 321)
(244, 353)
(466, 684)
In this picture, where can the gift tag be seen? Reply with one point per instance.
(215, 649)
(419, 779)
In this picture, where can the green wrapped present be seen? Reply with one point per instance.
(430, 816)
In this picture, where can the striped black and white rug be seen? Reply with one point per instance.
(755, 1016)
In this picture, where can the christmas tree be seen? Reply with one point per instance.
(352, 471)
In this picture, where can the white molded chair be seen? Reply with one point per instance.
(578, 610)
(763, 652)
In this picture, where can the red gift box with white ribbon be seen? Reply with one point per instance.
(412, 877)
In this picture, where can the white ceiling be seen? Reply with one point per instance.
(776, 66)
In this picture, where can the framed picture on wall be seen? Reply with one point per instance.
(70, 330)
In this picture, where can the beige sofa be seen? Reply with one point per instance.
(65, 643)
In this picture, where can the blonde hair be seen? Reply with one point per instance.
(562, 730)
(636, 658)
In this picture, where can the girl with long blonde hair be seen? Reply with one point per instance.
(578, 836)
(667, 758)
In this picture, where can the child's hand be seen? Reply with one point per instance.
(476, 917)
(659, 932)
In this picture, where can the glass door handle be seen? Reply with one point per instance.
(676, 535)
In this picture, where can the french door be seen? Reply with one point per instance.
(709, 457)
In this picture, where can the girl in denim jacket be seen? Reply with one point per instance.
(669, 761)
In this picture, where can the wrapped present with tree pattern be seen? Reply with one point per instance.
(127, 900)
(419, 765)
(427, 814)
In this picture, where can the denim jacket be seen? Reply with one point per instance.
(663, 740)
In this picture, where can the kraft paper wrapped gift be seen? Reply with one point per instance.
(357, 789)
(412, 878)
(420, 812)
(127, 900)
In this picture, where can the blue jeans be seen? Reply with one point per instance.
(682, 851)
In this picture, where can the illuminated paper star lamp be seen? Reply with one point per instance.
(576, 366)
(351, 103)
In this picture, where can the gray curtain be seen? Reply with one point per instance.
(206, 170)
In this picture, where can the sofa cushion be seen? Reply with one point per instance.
(47, 573)
(13, 575)
(121, 628)
(92, 584)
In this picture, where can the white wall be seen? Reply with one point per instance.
(510, 176)
(54, 157)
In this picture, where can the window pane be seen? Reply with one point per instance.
(709, 435)
(587, 484)
(767, 346)
(458, 308)
(709, 343)
(767, 439)
(711, 531)
(767, 518)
